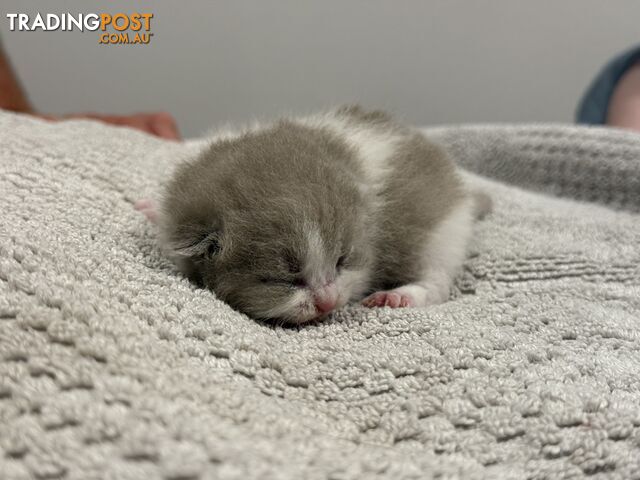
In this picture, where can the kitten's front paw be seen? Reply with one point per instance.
(411, 295)
(390, 298)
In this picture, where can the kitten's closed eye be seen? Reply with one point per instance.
(344, 259)
(296, 282)
(300, 283)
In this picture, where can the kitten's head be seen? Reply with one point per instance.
(271, 243)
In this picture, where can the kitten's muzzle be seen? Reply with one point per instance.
(325, 298)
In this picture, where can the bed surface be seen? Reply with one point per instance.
(113, 366)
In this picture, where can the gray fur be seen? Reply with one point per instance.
(421, 190)
(236, 218)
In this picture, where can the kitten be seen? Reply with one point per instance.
(293, 220)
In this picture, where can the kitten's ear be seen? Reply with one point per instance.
(195, 242)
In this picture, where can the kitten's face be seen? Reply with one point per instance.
(286, 271)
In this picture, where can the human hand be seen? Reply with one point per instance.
(159, 124)
(13, 98)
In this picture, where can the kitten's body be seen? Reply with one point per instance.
(292, 220)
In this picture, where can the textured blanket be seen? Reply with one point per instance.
(113, 366)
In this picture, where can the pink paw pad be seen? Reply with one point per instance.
(391, 299)
(148, 208)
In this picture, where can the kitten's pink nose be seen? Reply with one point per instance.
(325, 305)
(325, 299)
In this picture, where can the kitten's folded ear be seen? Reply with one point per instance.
(194, 241)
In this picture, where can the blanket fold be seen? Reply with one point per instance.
(585, 163)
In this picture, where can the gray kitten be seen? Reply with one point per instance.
(292, 220)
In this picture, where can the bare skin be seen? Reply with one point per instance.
(624, 106)
(14, 98)
(159, 124)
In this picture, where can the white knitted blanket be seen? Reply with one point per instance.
(114, 367)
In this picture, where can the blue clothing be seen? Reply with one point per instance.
(592, 109)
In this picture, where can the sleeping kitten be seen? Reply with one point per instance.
(295, 219)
